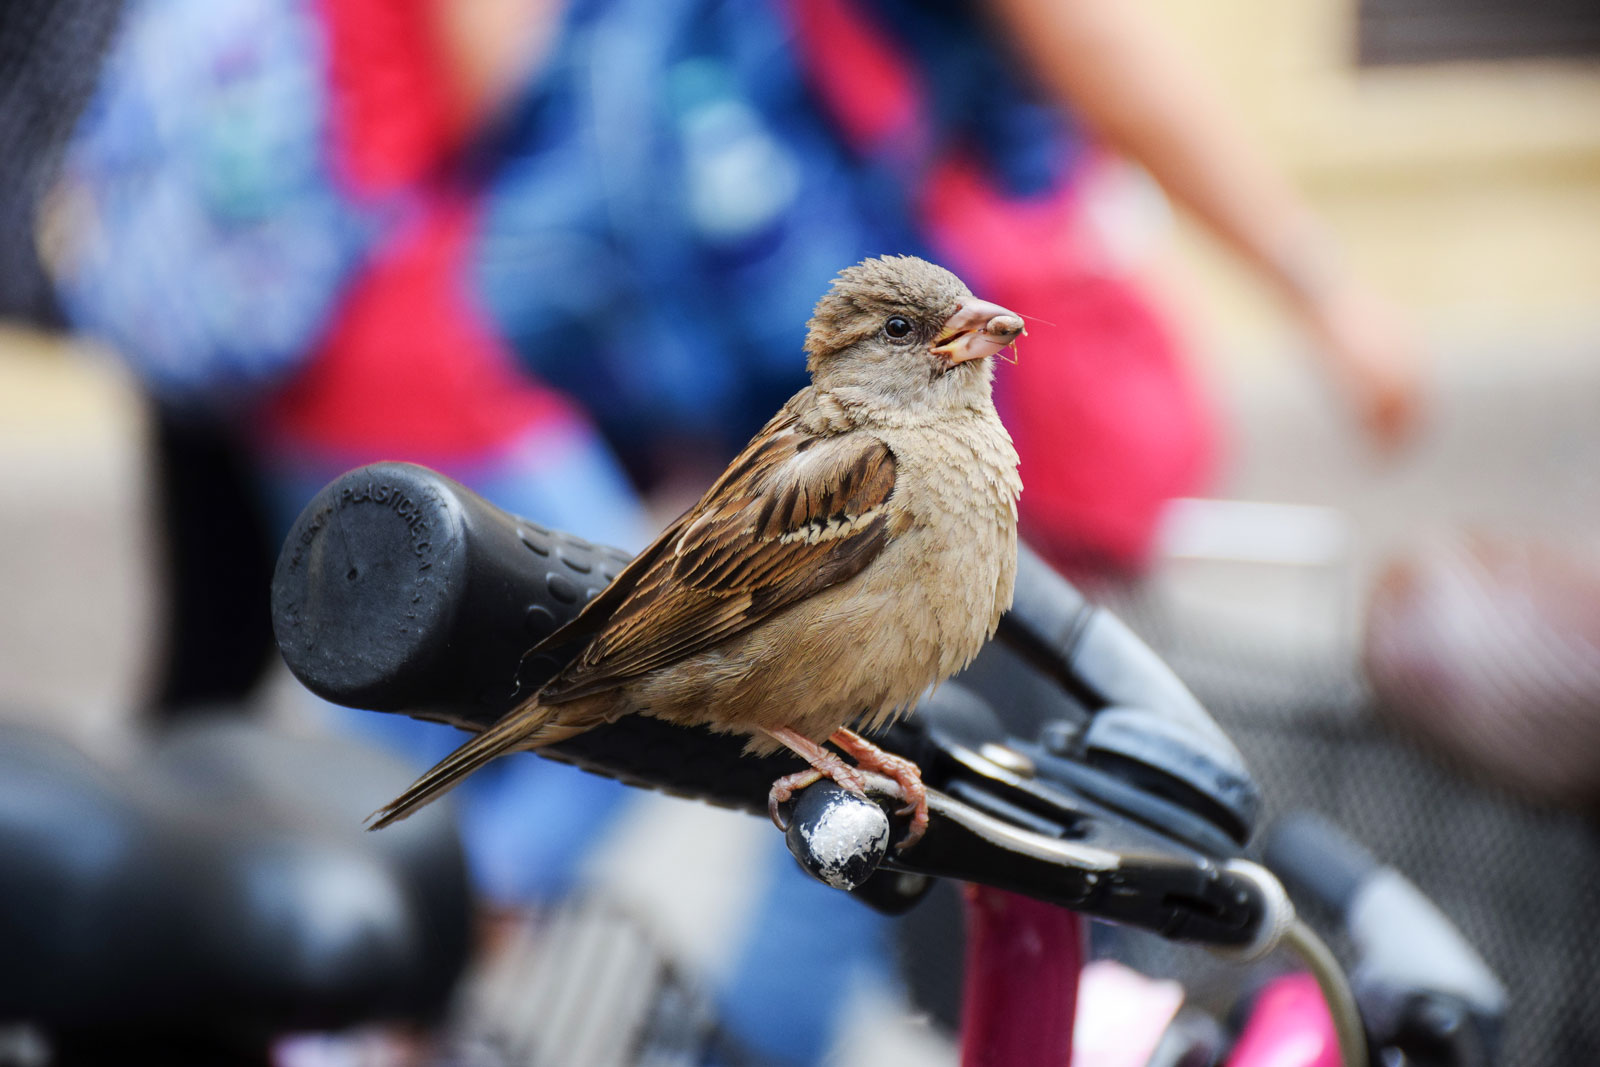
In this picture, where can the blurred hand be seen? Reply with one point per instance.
(1373, 356)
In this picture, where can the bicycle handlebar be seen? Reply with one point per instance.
(401, 591)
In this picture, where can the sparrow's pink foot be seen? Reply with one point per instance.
(905, 773)
(824, 764)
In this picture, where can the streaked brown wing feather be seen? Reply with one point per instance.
(594, 615)
(774, 530)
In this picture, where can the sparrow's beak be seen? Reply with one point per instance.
(978, 329)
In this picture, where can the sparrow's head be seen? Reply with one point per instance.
(908, 330)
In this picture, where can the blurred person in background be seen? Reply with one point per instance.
(565, 251)
(763, 149)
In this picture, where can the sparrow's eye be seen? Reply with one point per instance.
(897, 328)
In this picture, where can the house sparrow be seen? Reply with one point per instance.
(861, 548)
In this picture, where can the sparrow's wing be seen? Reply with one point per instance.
(562, 645)
(793, 515)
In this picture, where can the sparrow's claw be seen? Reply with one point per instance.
(824, 764)
(905, 774)
(786, 787)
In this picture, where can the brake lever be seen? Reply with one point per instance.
(1110, 872)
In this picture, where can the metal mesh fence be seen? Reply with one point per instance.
(1521, 880)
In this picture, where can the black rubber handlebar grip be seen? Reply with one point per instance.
(400, 590)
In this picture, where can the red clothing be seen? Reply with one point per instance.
(409, 367)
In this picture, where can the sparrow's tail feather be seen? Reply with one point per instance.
(526, 727)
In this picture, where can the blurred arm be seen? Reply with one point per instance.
(1110, 64)
(491, 47)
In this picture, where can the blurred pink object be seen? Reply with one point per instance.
(1122, 1015)
(1490, 650)
(1289, 1027)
